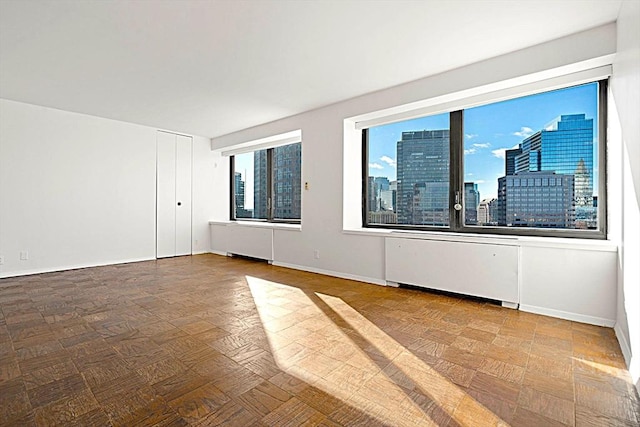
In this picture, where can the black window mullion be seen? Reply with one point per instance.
(602, 155)
(456, 169)
(365, 177)
(270, 180)
(232, 187)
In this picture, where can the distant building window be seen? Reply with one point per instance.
(266, 184)
(532, 165)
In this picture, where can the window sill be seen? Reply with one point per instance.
(259, 224)
(521, 241)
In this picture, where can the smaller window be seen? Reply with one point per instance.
(266, 184)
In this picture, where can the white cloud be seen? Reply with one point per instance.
(482, 145)
(470, 151)
(524, 132)
(470, 135)
(388, 160)
(499, 153)
(375, 166)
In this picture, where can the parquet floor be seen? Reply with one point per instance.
(209, 340)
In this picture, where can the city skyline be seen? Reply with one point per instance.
(547, 182)
(251, 174)
(489, 131)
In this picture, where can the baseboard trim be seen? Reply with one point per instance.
(219, 253)
(576, 317)
(624, 344)
(331, 273)
(200, 252)
(69, 267)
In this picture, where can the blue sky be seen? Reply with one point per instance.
(489, 130)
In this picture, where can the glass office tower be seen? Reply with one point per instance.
(561, 154)
(423, 178)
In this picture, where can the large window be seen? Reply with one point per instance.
(265, 184)
(532, 165)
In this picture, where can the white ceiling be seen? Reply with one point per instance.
(210, 67)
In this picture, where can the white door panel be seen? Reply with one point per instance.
(183, 195)
(166, 195)
(173, 192)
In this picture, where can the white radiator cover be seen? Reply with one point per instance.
(256, 242)
(477, 269)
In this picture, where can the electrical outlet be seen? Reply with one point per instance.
(24, 255)
(316, 254)
(1, 260)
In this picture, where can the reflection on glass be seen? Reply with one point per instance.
(286, 181)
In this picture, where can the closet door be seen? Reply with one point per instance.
(183, 195)
(166, 195)
(173, 195)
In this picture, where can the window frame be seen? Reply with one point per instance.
(270, 190)
(456, 180)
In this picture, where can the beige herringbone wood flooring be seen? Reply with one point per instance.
(209, 340)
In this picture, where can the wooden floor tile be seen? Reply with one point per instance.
(199, 403)
(293, 413)
(161, 370)
(587, 417)
(231, 414)
(70, 409)
(178, 385)
(14, 401)
(467, 414)
(505, 390)
(549, 406)
(462, 357)
(9, 368)
(543, 382)
(503, 370)
(455, 373)
(263, 398)
(238, 381)
(526, 418)
(47, 393)
(614, 405)
(503, 409)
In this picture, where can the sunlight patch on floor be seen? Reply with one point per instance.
(326, 343)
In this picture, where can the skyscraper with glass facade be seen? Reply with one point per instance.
(260, 184)
(510, 160)
(471, 202)
(285, 182)
(565, 146)
(559, 155)
(239, 190)
(423, 177)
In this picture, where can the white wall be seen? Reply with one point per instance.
(625, 86)
(331, 162)
(203, 199)
(78, 190)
